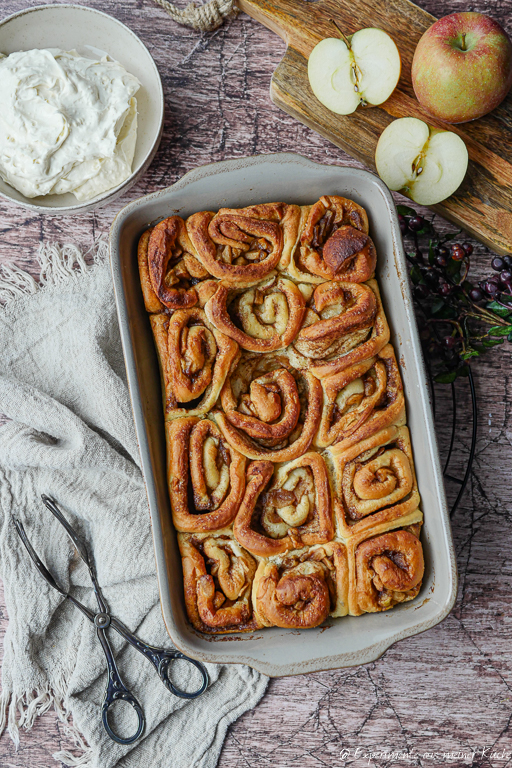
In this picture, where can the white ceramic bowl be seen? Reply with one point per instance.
(92, 33)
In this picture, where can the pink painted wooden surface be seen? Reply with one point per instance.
(446, 691)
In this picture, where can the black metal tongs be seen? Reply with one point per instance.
(159, 657)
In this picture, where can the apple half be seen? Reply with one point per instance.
(423, 163)
(361, 69)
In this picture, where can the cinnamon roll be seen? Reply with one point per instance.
(263, 318)
(242, 246)
(301, 589)
(375, 481)
(170, 273)
(270, 410)
(206, 476)
(195, 359)
(388, 570)
(286, 507)
(218, 577)
(334, 243)
(361, 400)
(344, 324)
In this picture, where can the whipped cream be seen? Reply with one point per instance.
(67, 123)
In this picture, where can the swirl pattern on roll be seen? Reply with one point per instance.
(344, 324)
(375, 481)
(195, 359)
(206, 476)
(361, 400)
(389, 570)
(171, 275)
(218, 577)
(301, 589)
(270, 410)
(242, 246)
(333, 243)
(285, 507)
(262, 318)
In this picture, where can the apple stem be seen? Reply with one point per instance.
(463, 46)
(343, 35)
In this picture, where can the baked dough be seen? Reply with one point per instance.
(290, 468)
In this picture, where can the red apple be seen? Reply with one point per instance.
(462, 67)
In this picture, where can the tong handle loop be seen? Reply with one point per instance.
(166, 659)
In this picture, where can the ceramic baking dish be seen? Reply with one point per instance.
(350, 640)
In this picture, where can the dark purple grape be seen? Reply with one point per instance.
(425, 334)
(445, 289)
(476, 294)
(491, 288)
(421, 292)
(403, 224)
(442, 250)
(441, 259)
(468, 248)
(449, 342)
(498, 263)
(508, 262)
(505, 276)
(458, 252)
(493, 279)
(416, 223)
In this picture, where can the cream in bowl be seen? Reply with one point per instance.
(68, 123)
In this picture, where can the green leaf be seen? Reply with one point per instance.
(446, 313)
(416, 274)
(437, 306)
(469, 353)
(509, 337)
(453, 269)
(404, 210)
(446, 378)
(495, 307)
(431, 254)
(500, 330)
(492, 342)
(450, 236)
(462, 371)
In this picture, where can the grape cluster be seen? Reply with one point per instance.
(458, 319)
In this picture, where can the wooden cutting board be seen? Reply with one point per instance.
(483, 204)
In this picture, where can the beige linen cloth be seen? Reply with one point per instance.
(70, 434)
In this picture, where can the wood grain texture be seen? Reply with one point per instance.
(483, 204)
(447, 690)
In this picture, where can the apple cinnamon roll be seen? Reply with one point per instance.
(218, 577)
(170, 273)
(206, 475)
(242, 246)
(263, 318)
(388, 570)
(334, 243)
(285, 508)
(375, 481)
(195, 359)
(301, 589)
(270, 410)
(344, 324)
(361, 400)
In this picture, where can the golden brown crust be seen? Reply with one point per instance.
(273, 345)
(375, 481)
(270, 411)
(218, 576)
(242, 246)
(345, 323)
(361, 400)
(269, 315)
(168, 266)
(301, 589)
(294, 510)
(333, 243)
(195, 359)
(206, 476)
(389, 570)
